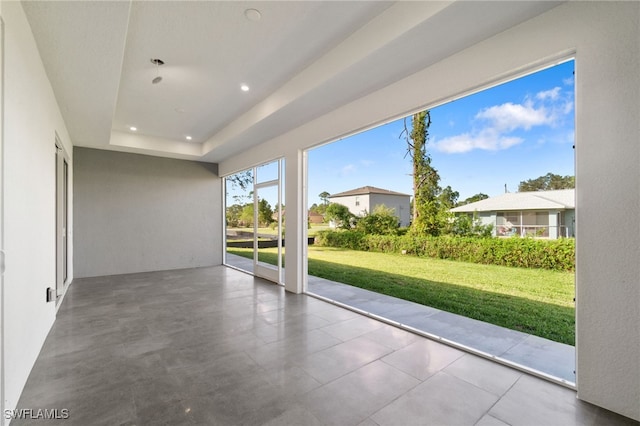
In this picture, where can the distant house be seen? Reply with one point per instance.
(315, 217)
(541, 214)
(364, 200)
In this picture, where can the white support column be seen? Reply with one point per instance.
(554, 226)
(296, 222)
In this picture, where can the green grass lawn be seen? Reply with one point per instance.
(268, 231)
(534, 301)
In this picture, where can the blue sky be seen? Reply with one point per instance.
(513, 132)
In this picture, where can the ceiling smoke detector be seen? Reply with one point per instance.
(157, 62)
(253, 15)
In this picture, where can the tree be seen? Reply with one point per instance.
(340, 215)
(265, 212)
(479, 196)
(242, 180)
(430, 215)
(246, 217)
(233, 215)
(324, 197)
(320, 209)
(547, 182)
(449, 197)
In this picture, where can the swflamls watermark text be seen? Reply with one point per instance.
(37, 414)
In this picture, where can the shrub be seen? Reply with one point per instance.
(382, 221)
(344, 239)
(558, 255)
(467, 226)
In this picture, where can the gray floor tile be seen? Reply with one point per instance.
(336, 361)
(391, 337)
(485, 374)
(291, 380)
(334, 313)
(295, 416)
(291, 350)
(441, 400)
(216, 346)
(352, 398)
(488, 420)
(368, 422)
(351, 328)
(423, 358)
(532, 401)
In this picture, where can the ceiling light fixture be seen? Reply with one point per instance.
(133, 129)
(157, 62)
(244, 88)
(253, 15)
(188, 138)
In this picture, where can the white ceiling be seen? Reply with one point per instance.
(301, 60)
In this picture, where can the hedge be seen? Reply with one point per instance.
(556, 255)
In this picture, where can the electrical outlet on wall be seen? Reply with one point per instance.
(51, 295)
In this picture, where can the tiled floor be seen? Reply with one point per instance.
(553, 360)
(215, 346)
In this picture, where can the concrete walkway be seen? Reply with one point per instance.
(545, 358)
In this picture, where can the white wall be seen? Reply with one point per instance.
(31, 120)
(368, 202)
(137, 213)
(357, 204)
(604, 37)
(400, 204)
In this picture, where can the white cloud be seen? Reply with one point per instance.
(551, 94)
(568, 81)
(348, 170)
(567, 107)
(508, 117)
(546, 108)
(488, 140)
(367, 163)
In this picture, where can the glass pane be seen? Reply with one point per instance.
(239, 220)
(284, 217)
(267, 226)
(267, 172)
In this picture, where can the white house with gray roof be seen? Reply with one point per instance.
(364, 200)
(540, 214)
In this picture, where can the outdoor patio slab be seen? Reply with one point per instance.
(545, 355)
(485, 337)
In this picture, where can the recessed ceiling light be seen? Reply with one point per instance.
(244, 88)
(133, 129)
(253, 15)
(188, 138)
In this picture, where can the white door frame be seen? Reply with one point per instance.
(2, 254)
(260, 269)
(62, 219)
